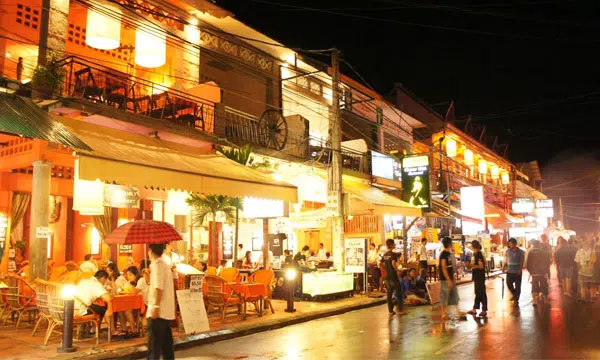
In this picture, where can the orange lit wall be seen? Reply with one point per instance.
(59, 229)
(82, 236)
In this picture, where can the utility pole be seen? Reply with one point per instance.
(334, 172)
(560, 213)
(43, 43)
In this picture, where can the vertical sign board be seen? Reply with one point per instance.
(193, 312)
(355, 253)
(227, 245)
(415, 181)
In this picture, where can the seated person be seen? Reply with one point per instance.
(328, 256)
(221, 267)
(88, 291)
(300, 259)
(313, 257)
(139, 284)
(88, 265)
(247, 262)
(289, 258)
(416, 285)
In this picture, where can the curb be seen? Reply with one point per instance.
(140, 351)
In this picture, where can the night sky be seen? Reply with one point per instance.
(530, 73)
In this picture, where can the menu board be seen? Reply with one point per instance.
(434, 290)
(355, 252)
(193, 313)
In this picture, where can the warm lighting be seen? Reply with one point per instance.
(176, 201)
(482, 166)
(88, 197)
(150, 49)
(505, 178)
(451, 147)
(492, 215)
(7, 54)
(495, 172)
(350, 217)
(68, 292)
(26, 81)
(278, 177)
(258, 208)
(290, 274)
(468, 157)
(95, 245)
(103, 26)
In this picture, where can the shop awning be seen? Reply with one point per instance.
(367, 200)
(23, 117)
(148, 162)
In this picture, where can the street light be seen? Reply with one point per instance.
(290, 276)
(68, 295)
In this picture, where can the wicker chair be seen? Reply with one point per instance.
(220, 295)
(229, 274)
(41, 300)
(19, 298)
(57, 311)
(57, 273)
(265, 277)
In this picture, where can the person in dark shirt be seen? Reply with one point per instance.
(448, 291)
(416, 285)
(389, 260)
(565, 261)
(537, 263)
(478, 271)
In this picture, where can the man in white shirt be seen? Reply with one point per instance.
(423, 256)
(322, 254)
(88, 265)
(373, 262)
(161, 305)
(261, 260)
(88, 290)
(171, 258)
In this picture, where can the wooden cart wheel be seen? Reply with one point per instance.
(273, 129)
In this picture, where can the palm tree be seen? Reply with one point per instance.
(207, 207)
(238, 203)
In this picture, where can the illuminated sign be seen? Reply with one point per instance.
(385, 166)
(471, 202)
(544, 208)
(227, 245)
(415, 181)
(255, 208)
(124, 197)
(523, 205)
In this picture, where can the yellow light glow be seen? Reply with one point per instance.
(495, 172)
(290, 274)
(492, 215)
(482, 164)
(176, 201)
(468, 157)
(88, 197)
(451, 147)
(68, 292)
(103, 32)
(505, 178)
(150, 49)
(278, 177)
(95, 245)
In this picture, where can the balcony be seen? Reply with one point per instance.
(101, 84)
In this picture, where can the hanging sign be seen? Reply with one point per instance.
(523, 205)
(125, 249)
(544, 208)
(333, 204)
(415, 181)
(124, 197)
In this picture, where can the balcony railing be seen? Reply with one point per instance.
(351, 160)
(98, 83)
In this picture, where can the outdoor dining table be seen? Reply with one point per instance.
(126, 302)
(251, 292)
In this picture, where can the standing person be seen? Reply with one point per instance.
(171, 258)
(537, 263)
(478, 273)
(565, 261)
(547, 248)
(20, 69)
(448, 291)
(322, 254)
(161, 302)
(372, 259)
(390, 262)
(423, 255)
(515, 259)
(583, 258)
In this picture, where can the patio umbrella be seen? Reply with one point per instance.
(143, 232)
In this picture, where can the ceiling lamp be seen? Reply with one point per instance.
(451, 148)
(468, 157)
(482, 166)
(495, 172)
(150, 49)
(103, 29)
(505, 178)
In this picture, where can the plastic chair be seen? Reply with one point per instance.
(19, 298)
(57, 311)
(229, 274)
(220, 295)
(265, 277)
(211, 271)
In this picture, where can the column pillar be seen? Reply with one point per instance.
(40, 213)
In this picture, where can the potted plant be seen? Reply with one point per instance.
(20, 247)
(46, 80)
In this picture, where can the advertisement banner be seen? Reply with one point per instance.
(523, 205)
(415, 181)
(385, 166)
(544, 208)
(355, 253)
(471, 202)
(124, 197)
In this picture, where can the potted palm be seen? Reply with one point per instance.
(208, 207)
(47, 80)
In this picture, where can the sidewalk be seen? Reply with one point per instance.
(19, 344)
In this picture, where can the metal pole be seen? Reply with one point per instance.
(290, 299)
(334, 172)
(67, 338)
(43, 40)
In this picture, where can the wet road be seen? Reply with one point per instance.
(563, 329)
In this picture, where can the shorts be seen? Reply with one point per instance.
(448, 296)
(565, 273)
(585, 279)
